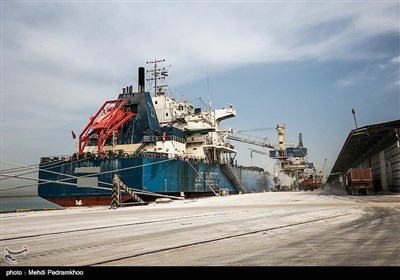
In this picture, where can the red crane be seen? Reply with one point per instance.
(108, 119)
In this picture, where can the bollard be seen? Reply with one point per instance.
(115, 194)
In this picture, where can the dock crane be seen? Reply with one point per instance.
(320, 178)
(291, 167)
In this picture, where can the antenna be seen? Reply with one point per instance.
(300, 140)
(157, 73)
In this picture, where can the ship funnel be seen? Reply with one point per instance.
(141, 80)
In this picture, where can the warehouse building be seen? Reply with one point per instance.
(376, 146)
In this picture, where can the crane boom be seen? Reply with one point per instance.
(322, 171)
(258, 141)
(257, 152)
(107, 120)
(256, 129)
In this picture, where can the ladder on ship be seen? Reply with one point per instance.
(227, 170)
(142, 145)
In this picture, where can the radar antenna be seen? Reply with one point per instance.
(157, 74)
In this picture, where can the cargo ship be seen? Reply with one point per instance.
(156, 145)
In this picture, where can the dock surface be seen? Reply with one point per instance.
(261, 229)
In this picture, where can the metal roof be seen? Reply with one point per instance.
(364, 142)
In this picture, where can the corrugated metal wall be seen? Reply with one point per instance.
(376, 172)
(392, 158)
(387, 161)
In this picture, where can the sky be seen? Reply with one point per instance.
(304, 64)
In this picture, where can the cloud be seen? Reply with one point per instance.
(61, 61)
(395, 60)
(345, 82)
(103, 43)
(385, 74)
(105, 40)
(355, 77)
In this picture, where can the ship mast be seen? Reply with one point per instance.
(156, 73)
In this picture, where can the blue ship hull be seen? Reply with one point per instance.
(59, 181)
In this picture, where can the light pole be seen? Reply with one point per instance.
(354, 115)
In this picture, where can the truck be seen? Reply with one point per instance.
(308, 184)
(359, 181)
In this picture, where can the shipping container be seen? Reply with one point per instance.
(359, 180)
